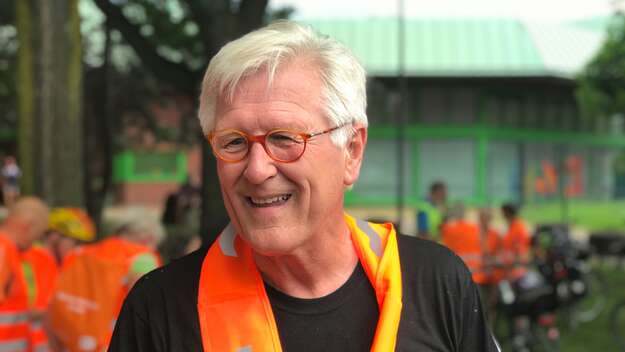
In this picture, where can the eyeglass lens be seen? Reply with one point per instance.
(281, 145)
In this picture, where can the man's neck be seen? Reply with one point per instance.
(315, 271)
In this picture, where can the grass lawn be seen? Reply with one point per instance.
(596, 335)
(594, 216)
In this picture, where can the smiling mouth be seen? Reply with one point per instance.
(268, 202)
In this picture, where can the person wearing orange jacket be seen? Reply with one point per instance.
(464, 238)
(94, 280)
(67, 228)
(284, 110)
(490, 265)
(25, 223)
(514, 248)
(41, 271)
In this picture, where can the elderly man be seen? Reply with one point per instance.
(284, 111)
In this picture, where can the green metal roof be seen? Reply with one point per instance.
(466, 47)
(597, 23)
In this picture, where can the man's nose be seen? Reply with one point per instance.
(260, 166)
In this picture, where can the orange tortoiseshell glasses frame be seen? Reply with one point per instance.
(285, 146)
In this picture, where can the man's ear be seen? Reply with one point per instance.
(354, 153)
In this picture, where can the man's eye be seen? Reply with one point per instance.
(234, 143)
(284, 138)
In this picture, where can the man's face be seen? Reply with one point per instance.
(34, 230)
(280, 208)
(59, 245)
(439, 196)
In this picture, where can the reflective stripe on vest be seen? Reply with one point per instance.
(226, 241)
(7, 318)
(234, 310)
(17, 345)
(41, 347)
(38, 337)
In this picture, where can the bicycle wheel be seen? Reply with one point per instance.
(589, 307)
(617, 324)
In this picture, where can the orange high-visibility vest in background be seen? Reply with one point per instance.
(464, 239)
(493, 271)
(45, 271)
(14, 317)
(234, 310)
(515, 249)
(90, 290)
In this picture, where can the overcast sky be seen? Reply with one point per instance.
(540, 10)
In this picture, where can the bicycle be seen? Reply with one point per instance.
(526, 310)
(617, 324)
(581, 291)
(560, 280)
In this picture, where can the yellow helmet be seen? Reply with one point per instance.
(73, 223)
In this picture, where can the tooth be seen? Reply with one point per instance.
(261, 201)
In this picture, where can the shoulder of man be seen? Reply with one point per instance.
(437, 285)
(421, 254)
(184, 270)
(160, 311)
(177, 281)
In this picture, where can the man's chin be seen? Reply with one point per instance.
(271, 242)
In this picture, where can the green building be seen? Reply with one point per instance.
(489, 109)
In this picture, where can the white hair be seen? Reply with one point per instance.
(343, 77)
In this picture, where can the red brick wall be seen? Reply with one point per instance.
(148, 194)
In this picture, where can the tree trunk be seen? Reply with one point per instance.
(27, 111)
(50, 94)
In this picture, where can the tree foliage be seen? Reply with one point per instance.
(174, 41)
(141, 52)
(8, 60)
(601, 91)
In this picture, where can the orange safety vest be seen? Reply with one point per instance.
(514, 250)
(493, 272)
(14, 317)
(234, 310)
(45, 271)
(464, 239)
(90, 291)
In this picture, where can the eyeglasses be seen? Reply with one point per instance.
(281, 145)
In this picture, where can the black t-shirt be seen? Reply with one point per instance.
(441, 309)
(321, 324)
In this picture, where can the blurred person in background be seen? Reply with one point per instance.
(432, 213)
(493, 273)
(40, 271)
(94, 280)
(513, 250)
(67, 229)
(177, 245)
(26, 222)
(11, 174)
(463, 238)
(284, 111)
